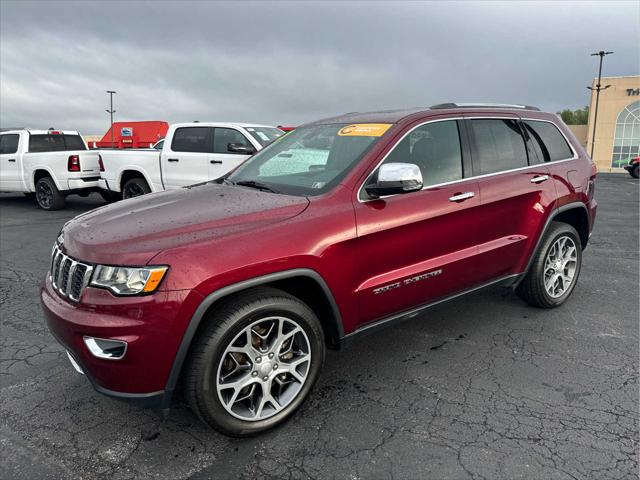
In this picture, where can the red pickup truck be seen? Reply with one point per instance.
(237, 286)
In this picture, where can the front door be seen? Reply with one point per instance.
(417, 247)
(226, 155)
(186, 160)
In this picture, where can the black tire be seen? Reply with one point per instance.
(532, 288)
(135, 187)
(635, 171)
(222, 326)
(48, 197)
(109, 197)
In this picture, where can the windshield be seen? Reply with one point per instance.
(264, 135)
(310, 160)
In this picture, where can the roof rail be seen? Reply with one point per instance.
(442, 106)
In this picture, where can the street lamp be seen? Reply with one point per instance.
(111, 111)
(599, 87)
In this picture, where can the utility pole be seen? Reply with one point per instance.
(111, 111)
(599, 87)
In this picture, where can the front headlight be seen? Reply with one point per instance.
(128, 280)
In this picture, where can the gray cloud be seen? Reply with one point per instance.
(287, 63)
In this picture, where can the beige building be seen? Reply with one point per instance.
(618, 129)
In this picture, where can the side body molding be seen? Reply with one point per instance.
(197, 317)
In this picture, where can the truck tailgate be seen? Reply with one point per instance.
(88, 163)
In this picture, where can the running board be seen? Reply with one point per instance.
(508, 280)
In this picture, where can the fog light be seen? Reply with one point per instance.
(104, 348)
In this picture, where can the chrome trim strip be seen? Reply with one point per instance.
(56, 274)
(475, 177)
(98, 352)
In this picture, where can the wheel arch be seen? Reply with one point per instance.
(305, 284)
(40, 172)
(129, 173)
(574, 214)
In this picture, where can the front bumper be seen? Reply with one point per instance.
(151, 325)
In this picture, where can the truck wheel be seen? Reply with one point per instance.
(254, 362)
(635, 171)
(134, 188)
(47, 194)
(555, 269)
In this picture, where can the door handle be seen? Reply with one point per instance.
(215, 161)
(461, 197)
(12, 160)
(173, 159)
(540, 179)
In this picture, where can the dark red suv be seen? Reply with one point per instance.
(236, 287)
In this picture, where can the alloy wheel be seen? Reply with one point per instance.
(133, 190)
(560, 266)
(263, 368)
(44, 195)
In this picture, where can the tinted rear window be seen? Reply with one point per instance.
(499, 145)
(9, 143)
(548, 143)
(193, 139)
(55, 143)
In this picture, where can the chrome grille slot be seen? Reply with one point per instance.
(68, 276)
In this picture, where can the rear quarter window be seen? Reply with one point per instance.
(74, 142)
(548, 143)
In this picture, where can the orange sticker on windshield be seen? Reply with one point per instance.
(364, 130)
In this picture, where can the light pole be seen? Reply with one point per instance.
(599, 87)
(111, 111)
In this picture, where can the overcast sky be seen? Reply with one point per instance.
(287, 63)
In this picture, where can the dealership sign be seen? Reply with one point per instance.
(632, 92)
(126, 132)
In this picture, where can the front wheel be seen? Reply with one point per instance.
(254, 362)
(555, 269)
(48, 196)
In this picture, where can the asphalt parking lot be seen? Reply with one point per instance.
(483, 387)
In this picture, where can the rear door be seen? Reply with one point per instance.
(516, 194)
(417, 247)
(225, 156)
(10, 163)
(186, 160)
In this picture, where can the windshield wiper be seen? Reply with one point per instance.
(254, 184)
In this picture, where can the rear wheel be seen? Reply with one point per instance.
(135, 187)
(555, 269)
(254, 362)
(635, 171)
(48, 196)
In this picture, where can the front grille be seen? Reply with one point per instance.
(68, 276)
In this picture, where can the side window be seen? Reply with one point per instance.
(224, 136)
(9, 143)
(435, 148)
(192, 139)
(547, 141)
(499, 145)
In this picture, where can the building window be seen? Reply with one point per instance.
(626, 142)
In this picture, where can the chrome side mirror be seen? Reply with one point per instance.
(394, 178)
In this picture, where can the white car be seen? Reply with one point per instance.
(47, 164)
(190, 153)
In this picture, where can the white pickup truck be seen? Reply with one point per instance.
(47, 164)
(190, 153)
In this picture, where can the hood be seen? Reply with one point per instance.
(131, 232)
